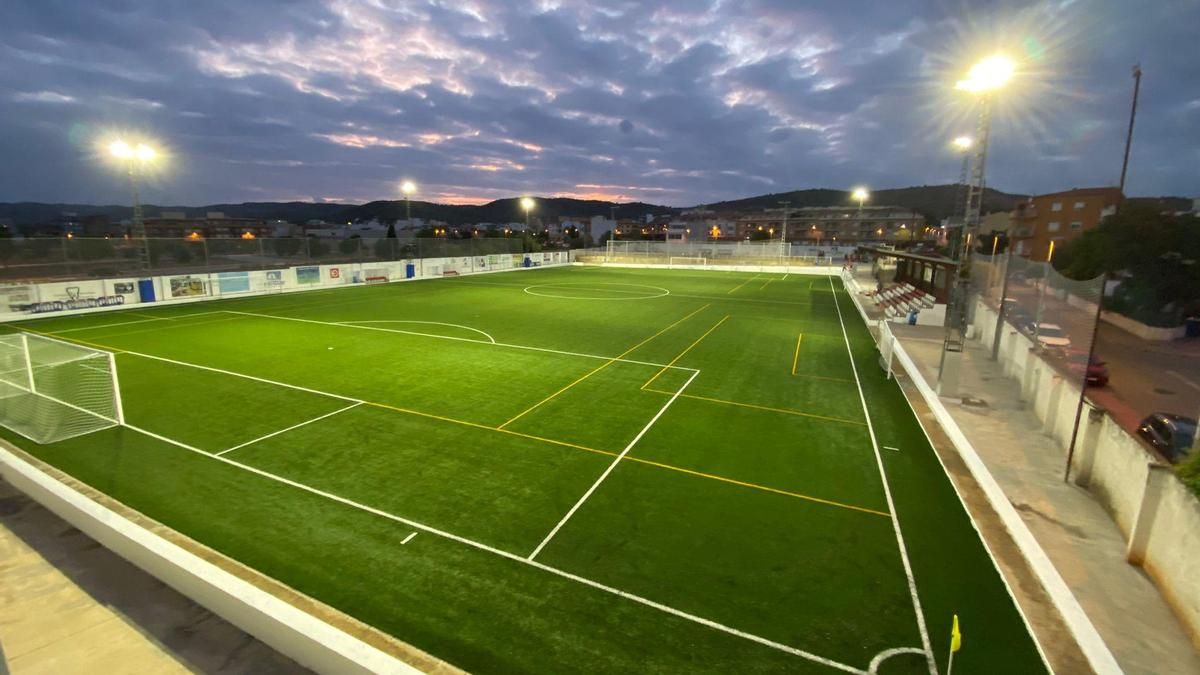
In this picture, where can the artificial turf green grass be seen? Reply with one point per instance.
(382, 366)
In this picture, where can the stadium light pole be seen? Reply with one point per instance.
(408, 188)
(984, 79)
(134, 157)
(527, 205)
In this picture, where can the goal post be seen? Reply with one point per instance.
(51, 390)
(689, 261)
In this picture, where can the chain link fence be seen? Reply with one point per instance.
(48, 259)
(760, 253)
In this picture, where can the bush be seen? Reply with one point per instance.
(1189, 473)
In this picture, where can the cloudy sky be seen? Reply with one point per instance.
(677, 102)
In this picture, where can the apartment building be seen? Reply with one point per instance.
(1059, 217)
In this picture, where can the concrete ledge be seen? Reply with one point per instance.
(308, 640)
(1141, 330)
(1099, 657)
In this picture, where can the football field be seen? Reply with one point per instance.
(560, 470)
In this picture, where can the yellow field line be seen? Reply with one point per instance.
(669, 467)
(71, 339)
(764, 488)
(796, 357)
(681, 354)
(786, 411)
(741, 284)
(606, 364)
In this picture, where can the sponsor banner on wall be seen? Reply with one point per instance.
(17, 296)
(71, 295)
(124, 288)
(233, 282)
(187, 287)
(308, 275)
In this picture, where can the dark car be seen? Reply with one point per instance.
(1170, 434)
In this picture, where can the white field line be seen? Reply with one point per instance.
(408, 538)
(244, 376)
(887, 654)
(106, 325)
(461, 339)
(888, 447)
(511, 556)
(887, 492)
(435, 323)
(284, 431)
(611, 466)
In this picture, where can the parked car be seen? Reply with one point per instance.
(1050, 335)
(1170, 434)
(1097, 373)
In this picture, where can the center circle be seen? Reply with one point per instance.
(597, 290)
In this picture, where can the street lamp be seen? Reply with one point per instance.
(135, 157)
(408, 188)
(527, 205)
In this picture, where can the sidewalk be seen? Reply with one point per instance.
(1075, 531)
(68, 605)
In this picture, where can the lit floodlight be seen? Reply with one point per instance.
(527, 204)
(860, 194)
(145, 153)
(408, 187)
(963, 143)
(120, 150)
(989, 74)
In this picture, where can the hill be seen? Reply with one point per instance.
(935, 201)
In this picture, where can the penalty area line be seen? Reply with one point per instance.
(667, 609)
(294, 426)
(611, 466)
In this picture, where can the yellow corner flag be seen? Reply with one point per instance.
(955, 636)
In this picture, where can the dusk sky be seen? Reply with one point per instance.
(676, 102)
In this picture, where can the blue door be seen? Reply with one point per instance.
(146, 290)
(410, 271)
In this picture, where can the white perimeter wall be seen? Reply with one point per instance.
(180, 288)
(1158, 514)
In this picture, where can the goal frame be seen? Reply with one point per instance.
(695, 260)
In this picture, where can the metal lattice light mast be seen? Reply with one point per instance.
(134, 157)
(984, 78)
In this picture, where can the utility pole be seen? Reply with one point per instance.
(1137, 85)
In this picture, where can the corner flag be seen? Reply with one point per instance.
(955, 636)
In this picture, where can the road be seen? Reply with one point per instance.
(1144, 376)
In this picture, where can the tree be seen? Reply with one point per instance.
(1155, 255)
(391, 231)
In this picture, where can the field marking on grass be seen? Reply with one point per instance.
(888, 447)
(611, 466)
(764, 488)
(667, 609)
(764, 286)
(566, 285)
(684, 352)
(730, 291)
(887, 493)
(601, 367)
(786, 411)
(244, 376)
(294, 426)
(408, 538)
(104, 325)
(457, 339)
(889, 653)
(71, 339)
(785, 277)
(174, 323)
(796, 356)
(435, 323)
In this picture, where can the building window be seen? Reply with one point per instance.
(1079, 206)
(1077, 225)
(1056, 206)
(1053, 227)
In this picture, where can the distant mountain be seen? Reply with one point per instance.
(26, 213)
(934, 201)
(502, 210)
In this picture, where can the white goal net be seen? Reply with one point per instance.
(676, 260)
(52, 390)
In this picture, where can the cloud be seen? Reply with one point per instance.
(680, 101)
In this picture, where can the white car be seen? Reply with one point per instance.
(1051, 335)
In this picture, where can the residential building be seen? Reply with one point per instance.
(838, 223)
(1060, 217)
(214, 225)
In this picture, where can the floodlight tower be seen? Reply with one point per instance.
(408, 188)
(527, 205)
(135, 157)
(984, 80)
